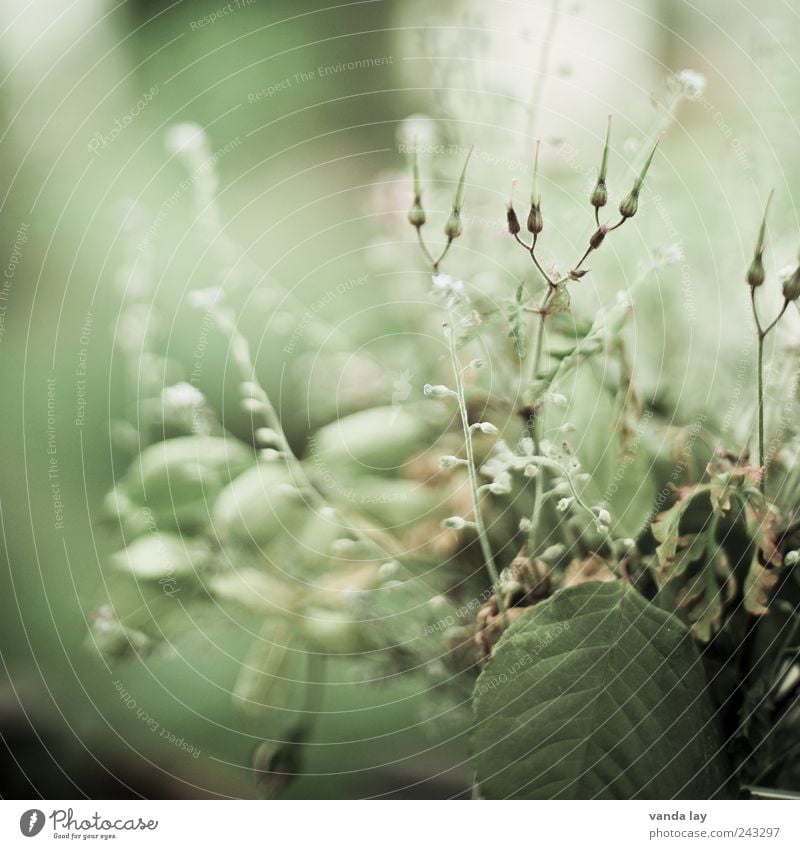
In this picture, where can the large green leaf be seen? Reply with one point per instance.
(596, 693)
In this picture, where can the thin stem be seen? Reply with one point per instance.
(777, 318)
(583, 259)
(442, 255)
(483, 538)
(541, 73)
(533, 361)
(428, 255)
(762, 480)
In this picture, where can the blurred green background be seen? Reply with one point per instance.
(313, 187)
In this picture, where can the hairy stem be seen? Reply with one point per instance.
(483, 537)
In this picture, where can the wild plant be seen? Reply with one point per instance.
(623, 620)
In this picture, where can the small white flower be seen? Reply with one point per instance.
(455, 523)
(419, 130)
(530, 471)
(556, 399)
(206, 299)
(447, 286)
(437, 391)
(182, 395)
(670, 254)
(603, 516)
(448, 461)
(488, 428)
(186, 139)
(692, 84)
(564, 504)
(791, 558)
(525, 525)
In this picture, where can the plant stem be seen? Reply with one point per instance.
(762, 334)
(483, 537)
(762, 480)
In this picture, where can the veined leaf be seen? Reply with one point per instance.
(596, 693)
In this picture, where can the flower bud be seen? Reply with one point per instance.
(755, 273)
(791, 285)
(513, 221)
(535, 220)
(456, 523)
(416, 215)
(437, 391)
(630, 204)
(599, 196)
(453, 227)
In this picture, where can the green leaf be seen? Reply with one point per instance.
(560, 302)
(517, 322)
(596, 693)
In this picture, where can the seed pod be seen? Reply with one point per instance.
(453, 227)
(599, 197)
(416, 215)
(755, 273)
(791, 285)
(513, 221)
(598, 236)
(535, 220)
(511, 215)
(630, 204)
